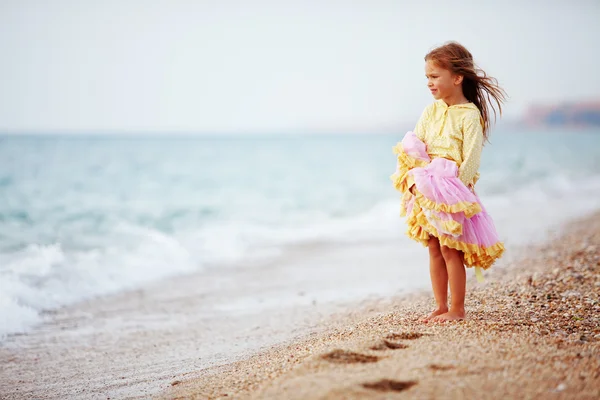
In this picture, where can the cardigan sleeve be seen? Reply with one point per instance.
(471, 150)
(420, 128)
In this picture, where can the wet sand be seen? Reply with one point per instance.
(532, 331)
(135, 343)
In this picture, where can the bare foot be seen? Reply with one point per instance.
(435, 313)
(452, 315)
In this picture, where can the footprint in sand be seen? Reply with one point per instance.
(440, 367)
(388, 385)
(388, 344)
(348, 357)
(404, 336)
(390, 341)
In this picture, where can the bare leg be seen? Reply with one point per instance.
(457, 277)
(439, 278)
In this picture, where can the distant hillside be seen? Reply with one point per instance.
(577, 114)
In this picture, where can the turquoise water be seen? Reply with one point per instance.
(84, 215)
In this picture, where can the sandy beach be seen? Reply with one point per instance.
(204, 200)
(533, 331)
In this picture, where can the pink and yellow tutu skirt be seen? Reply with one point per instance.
(440, 205)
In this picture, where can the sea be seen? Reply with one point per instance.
(83, 216)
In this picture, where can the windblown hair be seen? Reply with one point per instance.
(477, 86)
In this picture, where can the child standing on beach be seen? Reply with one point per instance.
(437, 170)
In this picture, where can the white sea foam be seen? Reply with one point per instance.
(123, 244)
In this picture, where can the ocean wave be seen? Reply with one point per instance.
(123, 229)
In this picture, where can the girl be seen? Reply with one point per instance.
(437, 170)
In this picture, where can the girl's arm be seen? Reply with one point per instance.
(420, 130)
(421, 126)
(471, 151)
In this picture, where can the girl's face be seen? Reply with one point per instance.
(441, 82)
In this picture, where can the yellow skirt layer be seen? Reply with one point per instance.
(424, 211)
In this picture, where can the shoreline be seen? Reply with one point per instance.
(170, 340)
(532, 330)
(133, 344)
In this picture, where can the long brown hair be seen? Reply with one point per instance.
(477, 86)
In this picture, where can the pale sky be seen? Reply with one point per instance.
(275, 66)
